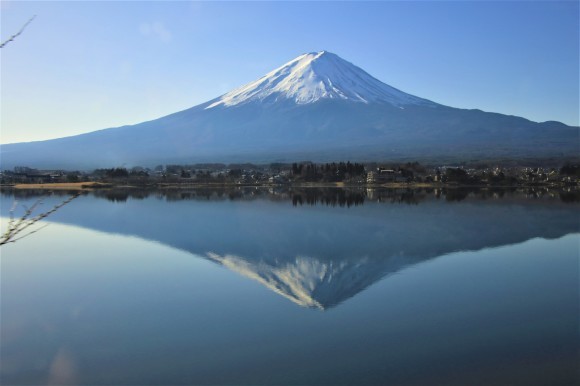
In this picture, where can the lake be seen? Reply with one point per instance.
(293, 287)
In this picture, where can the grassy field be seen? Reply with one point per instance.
(63, 185)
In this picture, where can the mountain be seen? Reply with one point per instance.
(314, 77)
(318, 107)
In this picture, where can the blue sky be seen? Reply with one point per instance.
(83, 66)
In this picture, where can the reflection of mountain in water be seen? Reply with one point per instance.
(319, 256)
(310, 282)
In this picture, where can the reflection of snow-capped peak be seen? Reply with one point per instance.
(295, 281)
(310, 282)
(315, 76)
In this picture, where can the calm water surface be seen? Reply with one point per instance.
(301, 287)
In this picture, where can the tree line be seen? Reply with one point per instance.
(328, 172)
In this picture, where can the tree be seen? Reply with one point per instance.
(570, 170)
(72, 177)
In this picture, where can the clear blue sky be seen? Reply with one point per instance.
(84, 66)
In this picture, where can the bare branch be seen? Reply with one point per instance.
(26, 220)
(27, 234)
(18, 33)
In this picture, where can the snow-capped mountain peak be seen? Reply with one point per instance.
(314, 76)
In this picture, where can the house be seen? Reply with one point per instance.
(381, 176)
(277, 179)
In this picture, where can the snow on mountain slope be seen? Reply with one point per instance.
(315, 76)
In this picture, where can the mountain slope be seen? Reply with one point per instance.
(317, 106)
(317, 76)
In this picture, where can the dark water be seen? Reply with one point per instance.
(252, 287)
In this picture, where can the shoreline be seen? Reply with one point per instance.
(91, 185)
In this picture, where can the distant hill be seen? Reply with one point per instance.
(318, 107)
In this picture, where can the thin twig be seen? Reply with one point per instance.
(18, 33)
(28, 234)
(25, 221)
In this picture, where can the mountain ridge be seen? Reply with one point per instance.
(317, 106)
